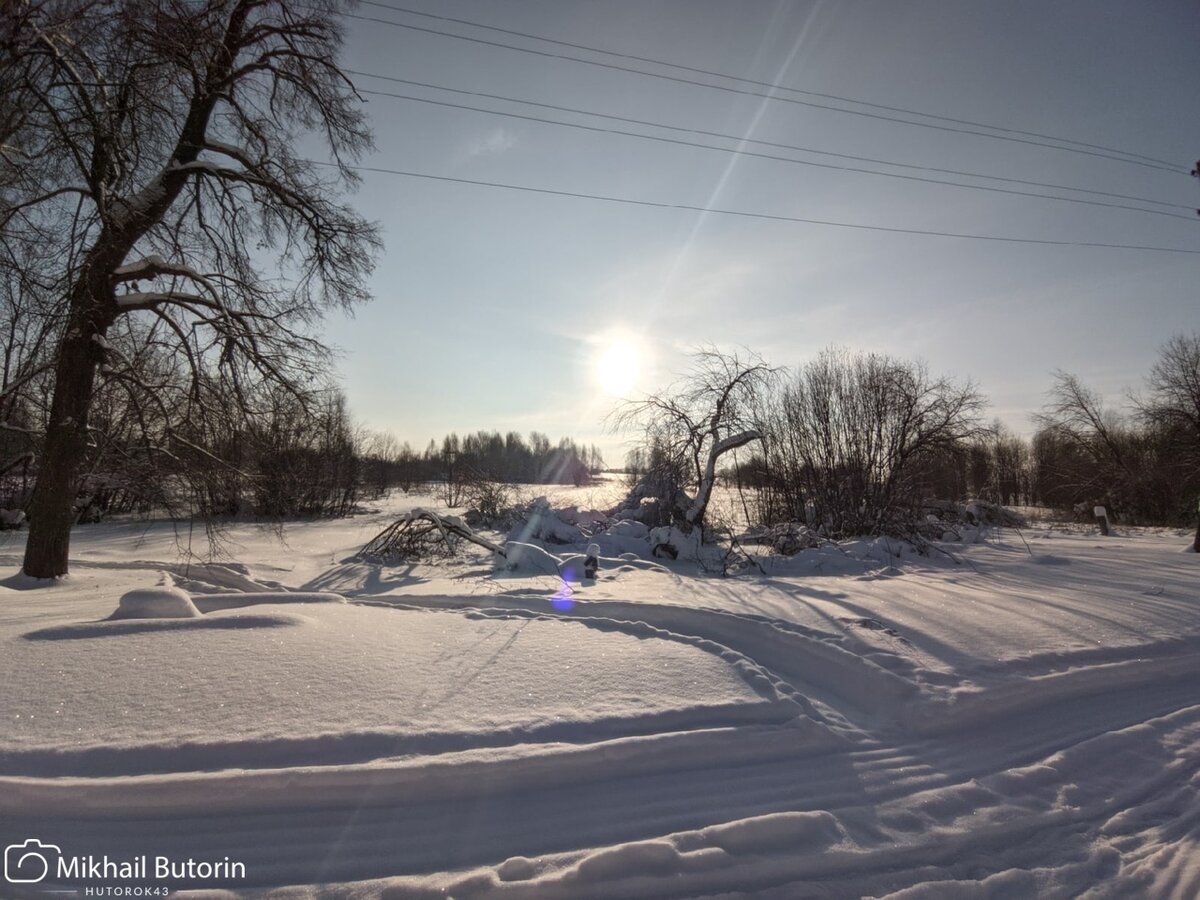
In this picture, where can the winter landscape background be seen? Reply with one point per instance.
(599, 450)
(858, 720)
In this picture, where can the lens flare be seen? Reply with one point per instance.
(617, 366)
(563, 600)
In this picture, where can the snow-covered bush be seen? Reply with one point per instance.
(590, 520)
(669, 542)
(539, 522)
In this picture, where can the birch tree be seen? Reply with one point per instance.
(155, 150)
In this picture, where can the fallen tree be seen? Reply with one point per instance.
(422, 534)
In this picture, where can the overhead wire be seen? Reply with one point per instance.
(716, 74)
(1166, 167)
(760, 142)
(757, 154)
(1011, 239)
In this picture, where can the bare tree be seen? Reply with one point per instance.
(1174, 383)
(1078, 414)
(1097, 455)
(1172, 409)
(156, 141)
(709, 412)
(1144, 463)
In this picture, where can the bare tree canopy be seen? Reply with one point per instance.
(1077, 414)
(856, 440)
(710, 411)
(1174, 383)
(1173, 409)
(149, 147)
(1142, 464)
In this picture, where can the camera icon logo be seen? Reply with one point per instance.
(30, 862)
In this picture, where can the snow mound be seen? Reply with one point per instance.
(516, 868)
(653, 857)
(527, 558)
(207, 603)
(163, 602)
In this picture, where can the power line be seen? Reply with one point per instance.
(750, 93)
(766, 84)
(770, 156)
(632, 201)
(786, 159)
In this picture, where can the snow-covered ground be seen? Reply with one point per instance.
(1016, 718)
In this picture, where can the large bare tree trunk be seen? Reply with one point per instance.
(50, 512)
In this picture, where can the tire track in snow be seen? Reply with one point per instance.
(814, 662)
(894, 768)
(307, 847)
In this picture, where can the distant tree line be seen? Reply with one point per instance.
(1142, 464)
(856, 444)
(274, 454)
(456, 461)
(296, 454)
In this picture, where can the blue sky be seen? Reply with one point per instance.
(493, 307)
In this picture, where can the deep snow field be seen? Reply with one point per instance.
(1015, 718)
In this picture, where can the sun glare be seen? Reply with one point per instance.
(617, 366)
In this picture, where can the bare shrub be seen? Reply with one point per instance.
(488, 499)
(856, 442)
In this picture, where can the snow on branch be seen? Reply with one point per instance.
(234, 153)
(154, 266)
(147, 299)
(142, 268)
(210, 166)
(734, 441)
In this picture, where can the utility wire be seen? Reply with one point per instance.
(766, 84)
(767, 96)
(632, 201)
(770, 156)
(786, 159)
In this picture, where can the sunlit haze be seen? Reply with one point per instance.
(618, 365)
(490, 300)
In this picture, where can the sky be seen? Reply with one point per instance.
(506, 309)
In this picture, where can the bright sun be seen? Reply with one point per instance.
(617, 366)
